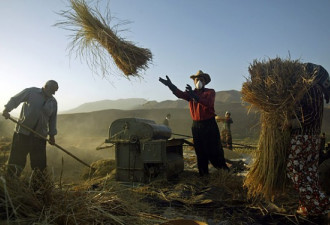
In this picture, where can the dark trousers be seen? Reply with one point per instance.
(208, 146)
(22, 145)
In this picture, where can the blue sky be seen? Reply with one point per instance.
(220, 37)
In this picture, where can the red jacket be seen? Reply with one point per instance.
(204, 108)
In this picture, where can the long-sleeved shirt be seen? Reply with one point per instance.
(38, 111)
(204, 108)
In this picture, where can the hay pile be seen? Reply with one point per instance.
(274, 86)
(27, 201)
(95, 39)
(101, 168)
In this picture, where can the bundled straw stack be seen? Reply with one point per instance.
(274, 86)
(94, 35)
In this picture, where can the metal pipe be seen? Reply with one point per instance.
(182, 135)
(247, 146)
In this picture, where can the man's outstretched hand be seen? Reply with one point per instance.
(166, 82)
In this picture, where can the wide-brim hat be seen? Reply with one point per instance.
(200, 73)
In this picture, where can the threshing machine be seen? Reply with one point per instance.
(144, 150)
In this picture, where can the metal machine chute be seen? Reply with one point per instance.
(144, 151)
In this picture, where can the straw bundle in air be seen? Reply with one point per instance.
(274, 86)
(96, 40)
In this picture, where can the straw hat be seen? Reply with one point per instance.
(202, 74)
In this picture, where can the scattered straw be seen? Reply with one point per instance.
(219, 198)
(94, 39)
(39, 201)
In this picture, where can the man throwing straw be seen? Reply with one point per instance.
(204, 129)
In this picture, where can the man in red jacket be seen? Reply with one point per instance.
(204, 129)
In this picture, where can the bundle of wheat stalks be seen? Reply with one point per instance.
(94, 35)
(274, 87)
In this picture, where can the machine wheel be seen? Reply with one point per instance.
(133, 139)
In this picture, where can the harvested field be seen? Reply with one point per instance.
(217, 199)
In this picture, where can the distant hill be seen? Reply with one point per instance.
(230, 96)
(181, 104)
(98, 122)
(246, 125)
(222, 97)
(123, 104)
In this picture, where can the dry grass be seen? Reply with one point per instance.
(274, 86)
(37, 200)
(96, 40)
(4, 151)
(191, 190)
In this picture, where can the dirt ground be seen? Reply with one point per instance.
(219, 199)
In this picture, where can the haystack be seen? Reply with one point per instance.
(96, 40)
(274, 86)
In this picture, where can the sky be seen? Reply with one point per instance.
(219, 37)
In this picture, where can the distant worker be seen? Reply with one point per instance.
(226, 137)
(39, 112)
(166, 121)
(206, 135)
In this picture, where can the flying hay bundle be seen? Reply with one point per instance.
(95, 39)
(274, 86)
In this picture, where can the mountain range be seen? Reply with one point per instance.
(230, 96)
(95, 118)
(123, 104)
